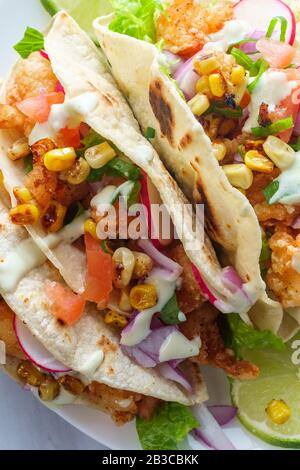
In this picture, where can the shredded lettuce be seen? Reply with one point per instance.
(239, 336)
(136, 18)
(32, 41)
(168, 427)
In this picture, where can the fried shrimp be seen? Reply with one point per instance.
(185, 25)
(283, 277)
(203, 323)
(7, 333)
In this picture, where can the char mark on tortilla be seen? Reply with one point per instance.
(162, 110)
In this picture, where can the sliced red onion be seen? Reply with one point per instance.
(296, 223)
(250, 47)
(135, 353)
(187, 78)
(210, 432)
(223, 414)
(160, 259)
(296, 130)
(35, 351)
(231, 279)
(174, 61)
(170, 373)
(237, 158)
(152, 344)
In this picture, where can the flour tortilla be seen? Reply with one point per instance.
(187, 153)
(81, 69)
(74, 346)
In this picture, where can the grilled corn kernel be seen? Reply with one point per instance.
(143, 265)
(79, 172)
(238, 75)
(219, 150)
(239, 175)
(206, 66)
(279, 152)
(115, 319)
(53, 217)
(91, 228)
(124, 302)
(71, 384)
(27, 372)
(60, 159)
(22, 195)
(123, 266)
(98, 156)
(24, 214)
(278, 411)
(49, 389)
(199, 104)
(258, 162)
(20, 149)
(202, 86)
(143, 296)
(217, 85)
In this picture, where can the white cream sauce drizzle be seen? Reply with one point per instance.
(92, 364)
(233, 32)
(141, 328)
(289, 184)
(177, 346)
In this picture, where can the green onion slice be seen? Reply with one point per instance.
(273, 129)
(270, 190)
(242, 58)
(283, 27)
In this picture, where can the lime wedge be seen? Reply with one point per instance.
(82, 11)
(279, 379)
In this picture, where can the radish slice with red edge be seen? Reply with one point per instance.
(259, 14)
(150, 196)
(35, 351)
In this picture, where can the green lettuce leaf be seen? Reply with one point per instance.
(32, 41)
(168, 427)
(170, 313)
(238, 336)
(136, 18)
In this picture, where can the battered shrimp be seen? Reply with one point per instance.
(186, 24)
(7, 333)
(283, 278)
(30, 78)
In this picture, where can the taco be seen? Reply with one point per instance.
(125, 312)
(201, 74)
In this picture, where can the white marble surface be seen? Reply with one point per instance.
(25, 424)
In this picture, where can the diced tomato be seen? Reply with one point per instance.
(69, 137)
(38, 108)
(277, 54)
(66, 306)
(245, 100)
(99, 272)
(288, 107)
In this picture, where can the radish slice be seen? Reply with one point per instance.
(35, 351)
(259, 16)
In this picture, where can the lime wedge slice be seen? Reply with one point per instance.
(82, 11)
(279, 379)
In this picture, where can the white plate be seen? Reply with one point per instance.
(15, 16)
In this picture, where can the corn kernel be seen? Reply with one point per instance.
(99, 155)
(239, 175)
(19, 150)
(219, 150)
(282, 154)
(143, 296)
(22, 195)
(199, 104)
(32, 376)
(53, 217)
(206, 66)
(258, 162)
(238, 75)
(60, 159)
(79, 172)
(24, 214)
(115, 319)
(124, 302)
(143, 265)
(202, 86)
(217, 85)
(123, 266)
(278, 411)
(91, 228)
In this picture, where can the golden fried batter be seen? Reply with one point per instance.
(7, 333)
